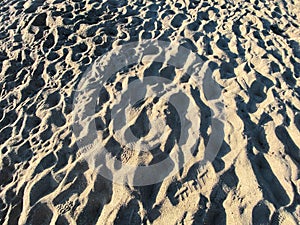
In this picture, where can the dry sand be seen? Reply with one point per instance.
(253, 50)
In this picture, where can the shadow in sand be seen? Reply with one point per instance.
(97, 198)
(216, 213)
(128, 214)
(260, 214)
(273, 191)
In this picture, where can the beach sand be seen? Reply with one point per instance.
(252, 49)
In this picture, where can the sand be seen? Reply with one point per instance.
(251, 52)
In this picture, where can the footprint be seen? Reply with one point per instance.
(261, 214)
(282, 217)
(128, 214)
(183, 190)
(210, 27)
(126, 155)
(215, 216)
(178, 20)
(49, 42)
(40, 214)
(99, 196)
(65, 207)
(42, 187)
(40, 20)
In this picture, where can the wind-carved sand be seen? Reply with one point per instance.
(253, 51)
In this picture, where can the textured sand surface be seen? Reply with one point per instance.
(253, 51)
